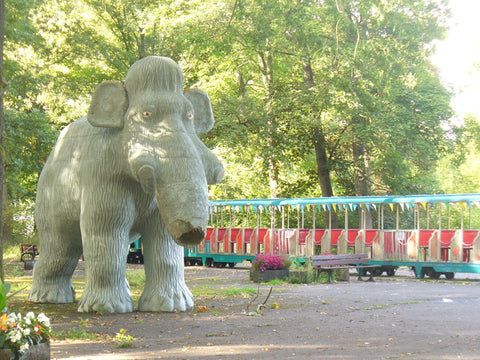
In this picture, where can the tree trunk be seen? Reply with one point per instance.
(360, 169)
(323, 171)
(265, 62)
(319, 143)
(308, 78)
(362, 175)
(2, 148)
(242, 92)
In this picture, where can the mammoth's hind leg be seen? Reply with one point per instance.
(52, 274)
(165, 287)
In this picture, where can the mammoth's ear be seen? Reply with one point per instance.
(202, 109)
(108, 106)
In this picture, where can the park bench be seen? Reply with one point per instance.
(28, 252)
(330, 263)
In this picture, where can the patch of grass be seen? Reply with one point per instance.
(11, 251)
(15, 270)
(136, 277)
(75, 334)
(216, 335)
(375, 307)
(207, 291)
(382, 306)
(240, 291)
(204, 291)
(277, 282)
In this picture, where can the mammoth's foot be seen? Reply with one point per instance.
(54, 292)
(174, 298)
(105, 301)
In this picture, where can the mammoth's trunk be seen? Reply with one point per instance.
(182, 198)
(184, 209)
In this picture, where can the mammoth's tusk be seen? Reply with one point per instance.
(146, 176)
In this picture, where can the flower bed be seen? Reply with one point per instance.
(268, 267)
(23, 337)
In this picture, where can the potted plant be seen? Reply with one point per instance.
(23, 337)
(268, 267)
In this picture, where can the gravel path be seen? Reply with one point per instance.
(391, 318)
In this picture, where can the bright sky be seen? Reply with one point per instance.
(457, 55)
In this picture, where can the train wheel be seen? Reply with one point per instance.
(391, 272)
(377, 272)
(449, 275)
(434, 275)
(231, 265)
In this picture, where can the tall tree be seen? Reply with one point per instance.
(2, 148)
(310, 97)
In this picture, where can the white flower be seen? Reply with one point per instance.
(26, 331)
(42, 318)
(24, 347)
(16, 336)
(30, 315)
(12, 318)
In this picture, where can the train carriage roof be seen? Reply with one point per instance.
(355, 200)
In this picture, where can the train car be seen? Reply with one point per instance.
(432, 234)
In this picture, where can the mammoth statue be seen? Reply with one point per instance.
(134, 166)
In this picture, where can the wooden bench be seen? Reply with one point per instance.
(28, 252)
(331, 262)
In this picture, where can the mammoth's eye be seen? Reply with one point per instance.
(190, 115)
(148, 111)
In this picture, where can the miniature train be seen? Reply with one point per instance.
(413, 231)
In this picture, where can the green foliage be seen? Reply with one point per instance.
(299, 89)
(315, 76)
(5, 296)
(28, 141)
(4, 289)
(458, 170)
(302, 273)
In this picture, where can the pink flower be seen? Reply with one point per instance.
(268, 262)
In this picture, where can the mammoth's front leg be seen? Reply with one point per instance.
(165, 288)
(105, 246)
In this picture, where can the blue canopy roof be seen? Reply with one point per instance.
(358, 200)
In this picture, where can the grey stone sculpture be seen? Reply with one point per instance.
(133, 167)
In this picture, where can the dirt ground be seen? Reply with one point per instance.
(391, 318)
